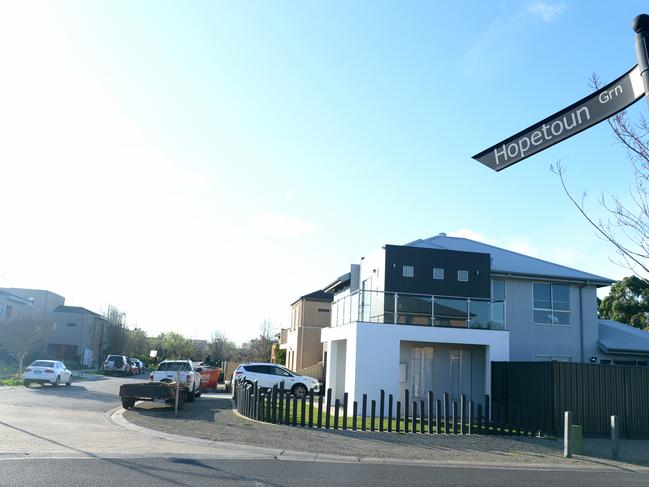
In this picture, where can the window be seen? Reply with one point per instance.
(323, 310)
(497, 289)
(408, 271)
(72, 324)
(462, 276)
(551, 304)
(438, 273)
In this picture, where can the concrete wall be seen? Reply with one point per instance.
(43, 301)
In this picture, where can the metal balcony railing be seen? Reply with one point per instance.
(418, 310)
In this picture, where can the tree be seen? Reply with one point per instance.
(627, 226)
(174, 345)
(220, 348)
(23, 334)
(261, 347)
(280, 354)
(137, 343)
(628, 302)
(116, 331)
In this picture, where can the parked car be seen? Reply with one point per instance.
(135, 366)
(188, 374)
(117, 364)
(267, 375)
(47, 372)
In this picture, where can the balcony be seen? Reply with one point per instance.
(418, 310)
(283, 336)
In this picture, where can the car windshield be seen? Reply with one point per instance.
(42, 363)
(115, 357)
(174, 366)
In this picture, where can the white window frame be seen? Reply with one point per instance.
(410, 273)
(458, 275)
(438, 269)
(551, 310)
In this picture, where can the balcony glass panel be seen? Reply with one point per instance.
(415, 309)
(479, 314)
(451, 312)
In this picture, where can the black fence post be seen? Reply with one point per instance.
(311, 408)
(487, 413)
(454, 417)
(354, 415)
(372, 414)
(255, 401)
(364, 413)
(294, 410)
(381, 409)
(287, 411)
(280, 413)
(471, 417)
(414, 416)
(345, 401)
(430, 412)
(462, 409)
(406, 412)
(480, 418)
(438, 416)
(328, 411)
(303, 411)
(336, 413)
(319, 411)
(389, 413)
(446, 413)
(398, 428)
(422, 416)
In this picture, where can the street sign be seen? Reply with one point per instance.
(604, 103)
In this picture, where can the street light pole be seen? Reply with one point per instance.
(640, 25)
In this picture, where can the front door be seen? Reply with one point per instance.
(422, 371)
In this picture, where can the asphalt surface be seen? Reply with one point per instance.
(210, 472)
(77, 435)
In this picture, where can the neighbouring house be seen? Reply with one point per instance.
(11, 304)
(432, 315)
(78, 334)
(309, 315)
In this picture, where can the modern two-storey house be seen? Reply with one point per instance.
(433, 315)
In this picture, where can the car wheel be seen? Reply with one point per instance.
(198, 392)
(69, 382)
(57, 381)
(190, 396)
(128, 402)
(299, 391)
(26, 383)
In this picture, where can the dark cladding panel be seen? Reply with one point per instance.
(424, 260)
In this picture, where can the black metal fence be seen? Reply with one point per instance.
(422, 416)
(536, 394)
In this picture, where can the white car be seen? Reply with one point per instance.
(267, 375)
(188, 374)
(47, 372)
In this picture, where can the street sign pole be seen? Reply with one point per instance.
(641, 27)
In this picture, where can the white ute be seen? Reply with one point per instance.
(185, 370)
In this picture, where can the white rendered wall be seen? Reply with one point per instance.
(372, 353)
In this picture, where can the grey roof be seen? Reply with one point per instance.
(616, 337)
(316, 296)
(508, 262)
(75, 309)
(337, 283)
(15, 297)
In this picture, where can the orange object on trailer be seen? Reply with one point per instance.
(210, 378)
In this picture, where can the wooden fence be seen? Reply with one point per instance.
(430, 416)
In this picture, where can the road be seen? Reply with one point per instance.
(62, 436)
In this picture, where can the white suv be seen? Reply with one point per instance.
(267, 375)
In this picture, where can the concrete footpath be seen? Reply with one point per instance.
(210, 421)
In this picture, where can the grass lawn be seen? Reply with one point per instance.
(11, 382)
(295, 417)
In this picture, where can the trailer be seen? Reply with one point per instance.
(151, 391)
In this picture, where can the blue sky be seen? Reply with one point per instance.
(202, 165)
